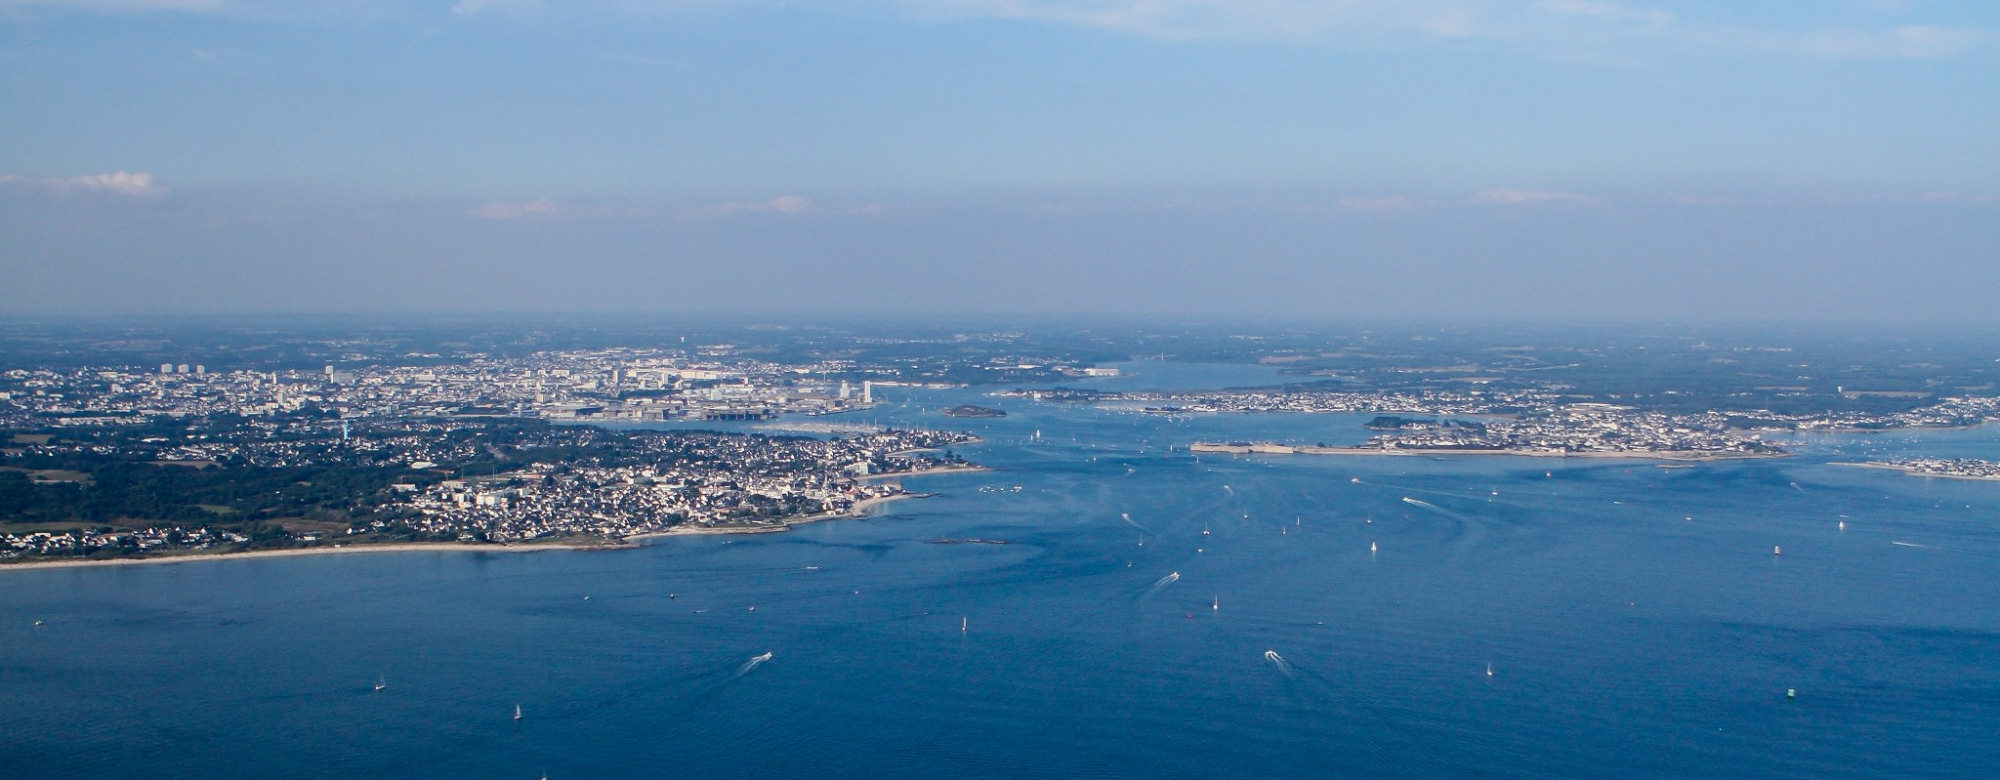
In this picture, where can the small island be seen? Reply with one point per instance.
(1941, 468)
(968, 410)
(1272, 448)
(1576, 431)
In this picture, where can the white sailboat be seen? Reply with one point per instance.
(517, 712)
(381, 682)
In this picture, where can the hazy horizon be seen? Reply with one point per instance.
(1461, 160)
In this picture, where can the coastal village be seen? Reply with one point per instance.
(488, 452)
(648, 482)
(583, 385)
(1575, 430)
(553, 446)
(1528, 422)
(1948, 468)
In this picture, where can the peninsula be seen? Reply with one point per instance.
(1572, 431)
(1942, 468)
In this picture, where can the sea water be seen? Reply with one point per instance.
(1635, 619)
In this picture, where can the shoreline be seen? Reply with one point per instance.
(968, 469)
(1692, 456)
(1915, 472)
(859, 509)
(293, 552)
(907, 453)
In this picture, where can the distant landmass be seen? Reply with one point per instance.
(968, 410)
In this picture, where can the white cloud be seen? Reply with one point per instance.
(121, 5)
(1705, 200)
(1385, 203)
(516, 209)
(1507, 197)
(1610, 12)
(1957, 197)
(1562, 28)
(783, 204)
(1906, 42)
(1192, 19)
(1569, 29)
(511, 7)
(139, 185)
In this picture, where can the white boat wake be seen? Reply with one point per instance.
(1284, 666)
(752, 664)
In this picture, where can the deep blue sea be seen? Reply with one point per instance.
(1284, 617)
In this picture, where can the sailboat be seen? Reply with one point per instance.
(517, 712)
(963, 623)
(1489, 668)
(381, 682)
(1217, 605)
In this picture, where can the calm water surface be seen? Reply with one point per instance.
(1634, 618)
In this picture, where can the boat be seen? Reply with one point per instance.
(381, 682)
(1371, 547)
(517, 712)
(1489, 668)
(1217, 606)
(963, 623)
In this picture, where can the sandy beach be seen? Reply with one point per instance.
(328, 550)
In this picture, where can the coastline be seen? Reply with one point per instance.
(326, 550)
(857, 510)
(1914, 472)
(906, 453)
(1666, 455)
(967, 469)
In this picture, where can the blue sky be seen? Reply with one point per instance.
(1540, 159)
